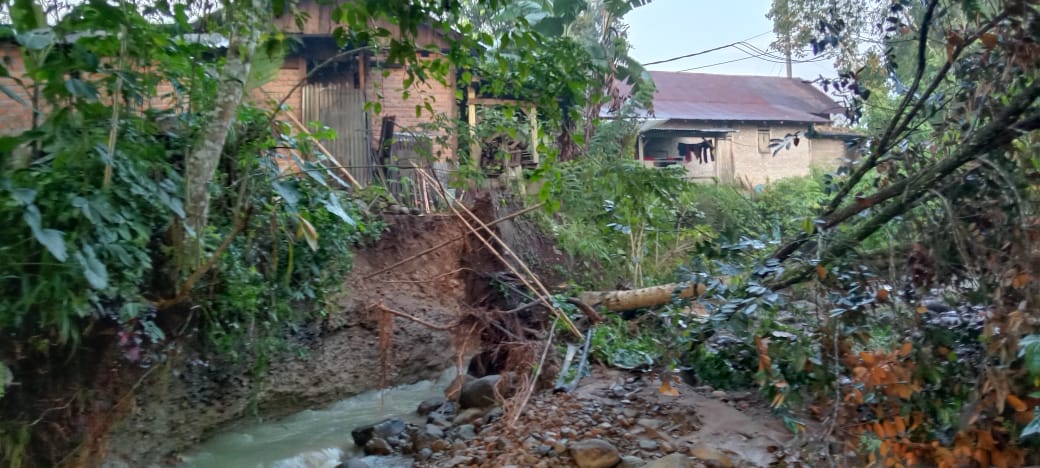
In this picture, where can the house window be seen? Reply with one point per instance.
(763, 140)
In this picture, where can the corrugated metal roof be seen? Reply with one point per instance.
(701, 96)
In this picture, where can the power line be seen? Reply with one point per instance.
(704, 51)
(716, 64)
(751, 50)
(769, 56)
(749, 57)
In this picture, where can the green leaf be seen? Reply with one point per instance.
(24, 196)
(15, 96)
(334, 207)
(93, 270)
(81, 89)
(6, 378)
(51, 239)
(308, 232)
(175, 205)
(27, 14)
(288, 193)
(37, 39)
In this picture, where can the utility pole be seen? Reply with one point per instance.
(789, 62)
(787, 54)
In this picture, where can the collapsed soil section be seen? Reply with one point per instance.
(338, 356)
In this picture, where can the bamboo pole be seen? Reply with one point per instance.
(303, 128)
(449, 241)
(541, 291)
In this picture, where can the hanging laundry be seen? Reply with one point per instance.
(703, 152)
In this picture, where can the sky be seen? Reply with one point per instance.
(669, 28)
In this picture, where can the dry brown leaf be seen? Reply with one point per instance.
(1016, 403)
(667, 389)
(989, 40)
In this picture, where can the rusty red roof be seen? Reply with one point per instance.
(702, 96)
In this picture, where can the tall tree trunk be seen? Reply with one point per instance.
(247, 21)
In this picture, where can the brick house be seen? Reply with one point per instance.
(720, 127)
(336, 94)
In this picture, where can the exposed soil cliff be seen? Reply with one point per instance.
(192, 396)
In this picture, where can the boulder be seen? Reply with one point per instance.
(479, 393)
(430, 405)
(675, 460)
(594, 453)
(382, 429)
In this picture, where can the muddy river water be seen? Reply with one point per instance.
(316, 438)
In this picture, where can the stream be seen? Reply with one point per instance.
(316, 438)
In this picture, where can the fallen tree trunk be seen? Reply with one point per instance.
(617, 301)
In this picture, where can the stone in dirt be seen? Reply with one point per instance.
(378, 446)
(430, 405)
(594, 453)
(467, 432)
(382, 429)
(712, 457)
(469, 415)
(479, 393)
(434, 431)
(443, 415)
(459, 460)
(630, 461)
(647, 444)
(493, 415)
(674, 460)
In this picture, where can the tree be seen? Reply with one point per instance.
(247, 22)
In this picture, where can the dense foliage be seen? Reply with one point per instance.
(894, 299)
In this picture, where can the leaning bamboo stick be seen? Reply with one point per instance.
(449, 241)
(303, 128)
(506, 248)
(541, 292)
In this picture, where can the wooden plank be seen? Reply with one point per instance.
(471, 116)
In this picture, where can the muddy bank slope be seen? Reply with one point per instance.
(193, 396)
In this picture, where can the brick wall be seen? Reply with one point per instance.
(14, 116)
(292, 72)
(758, 167)
(388, 91)
(828, 153)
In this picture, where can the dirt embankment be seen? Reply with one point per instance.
(193, 396)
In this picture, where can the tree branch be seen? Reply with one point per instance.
(900, 122)
(1001, 131)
